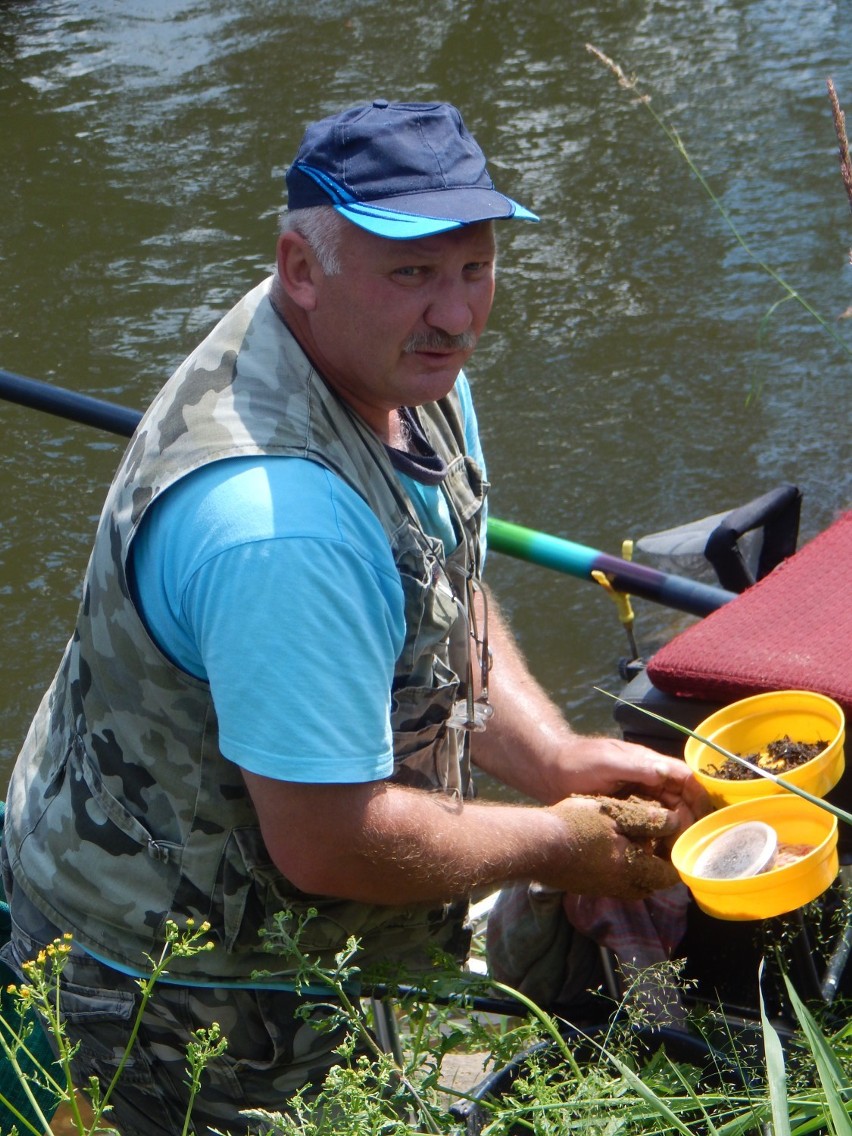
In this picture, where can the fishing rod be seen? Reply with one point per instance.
(543, 549)
(70, 404)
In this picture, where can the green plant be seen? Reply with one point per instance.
(565, 1080)
(370, 1090)
(40, 993)
(825, 1103)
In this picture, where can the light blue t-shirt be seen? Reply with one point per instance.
(271, 579)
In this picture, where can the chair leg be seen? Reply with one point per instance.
(386, 1027)
(611, 978)
(839, 958)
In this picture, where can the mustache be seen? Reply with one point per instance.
(437, 340)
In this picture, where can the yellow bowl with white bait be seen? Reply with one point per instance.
(806, 838)
(751, 724)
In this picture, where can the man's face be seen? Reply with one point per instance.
(396, 325)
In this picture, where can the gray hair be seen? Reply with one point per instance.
(322, 227)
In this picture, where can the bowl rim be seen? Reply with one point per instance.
(771, 902)
(695, 749)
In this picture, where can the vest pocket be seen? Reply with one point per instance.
(113, 810)
(426, 751)
(253, 891)
(431, 608)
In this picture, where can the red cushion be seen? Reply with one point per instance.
(790, 630)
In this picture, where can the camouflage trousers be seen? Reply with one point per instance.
(271, 1051)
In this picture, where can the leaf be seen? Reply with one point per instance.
(697, 1100)
(776, 1075)
(650, 1097)
(832, 1075)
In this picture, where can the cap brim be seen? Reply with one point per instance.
(451, 211)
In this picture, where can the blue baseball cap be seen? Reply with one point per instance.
(399, 170)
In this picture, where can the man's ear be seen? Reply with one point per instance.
(298, 270)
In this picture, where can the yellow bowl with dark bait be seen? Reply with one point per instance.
(749, 725)
(776, 890)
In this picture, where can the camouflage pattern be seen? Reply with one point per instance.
(122, 812)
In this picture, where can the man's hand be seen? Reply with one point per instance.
(606, 766)
(619, 845)
(386, 844)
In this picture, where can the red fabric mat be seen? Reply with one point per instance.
(790, 630)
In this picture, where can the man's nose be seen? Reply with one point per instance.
(450, 309)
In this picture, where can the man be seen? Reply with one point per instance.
(280, 670)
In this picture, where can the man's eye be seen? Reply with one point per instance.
(409, 271)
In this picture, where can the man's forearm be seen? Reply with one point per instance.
(385, 844)
(412, 846)
(382, 843)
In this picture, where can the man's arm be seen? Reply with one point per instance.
(382, 843)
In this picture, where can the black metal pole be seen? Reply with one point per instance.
(83, 408)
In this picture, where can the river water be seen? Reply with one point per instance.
(639, 370)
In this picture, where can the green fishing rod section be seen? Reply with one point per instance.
(582, 562)
(535, 547)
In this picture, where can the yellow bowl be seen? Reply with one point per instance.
(747, 726)
(774, 891)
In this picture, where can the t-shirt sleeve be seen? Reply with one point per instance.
(271, 579)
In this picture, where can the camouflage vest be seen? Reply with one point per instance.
(122, 812)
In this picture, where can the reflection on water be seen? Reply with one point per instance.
(145, 145)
